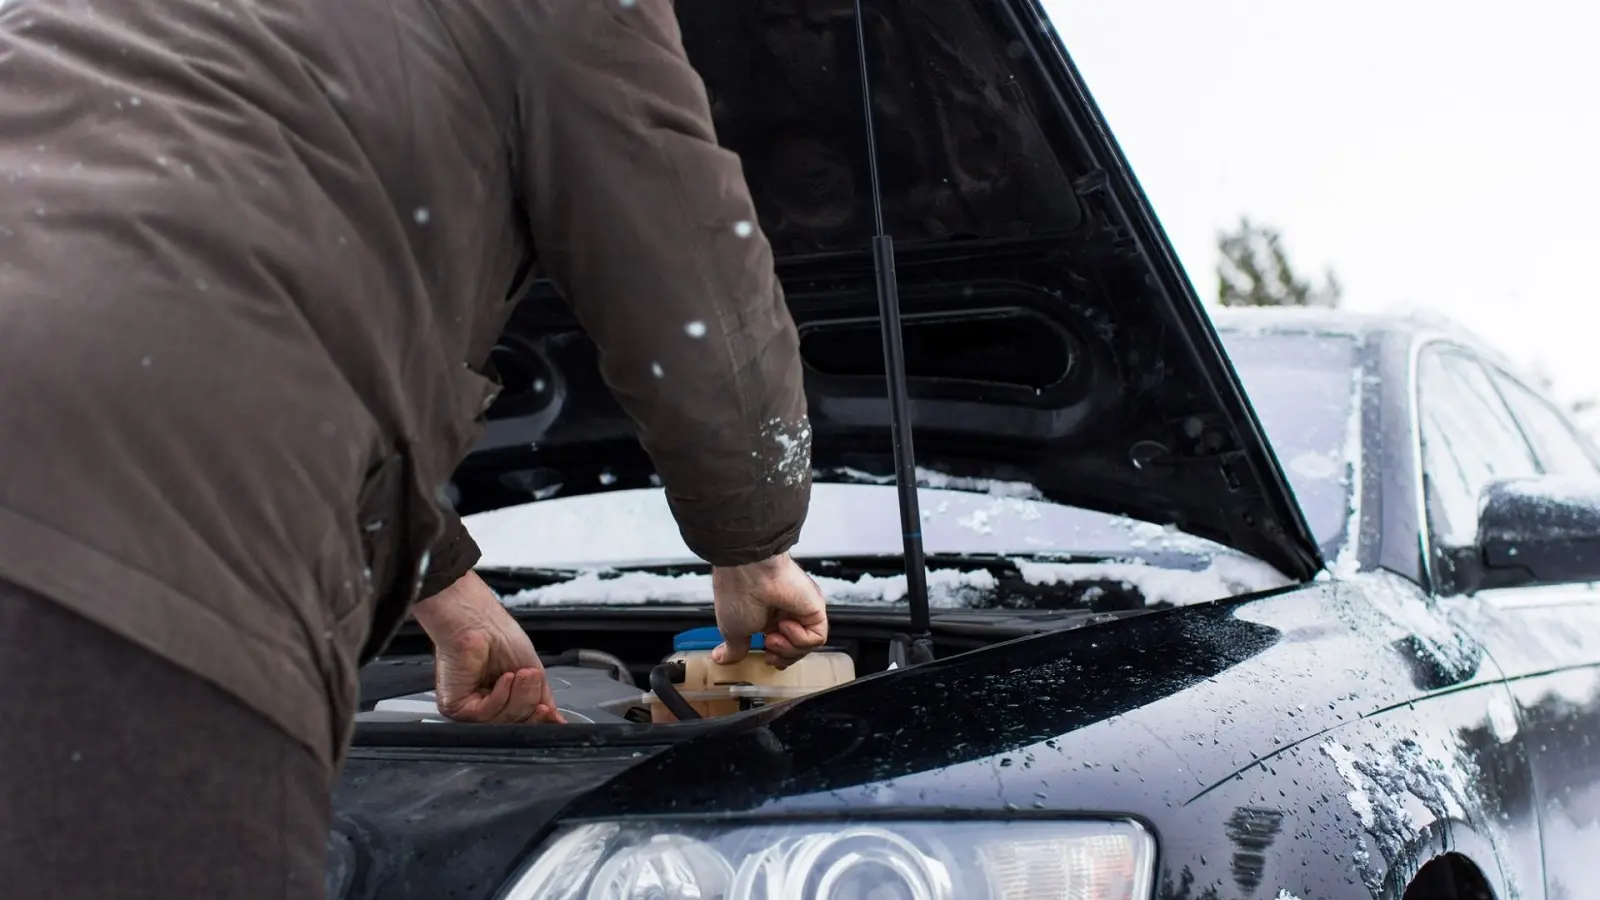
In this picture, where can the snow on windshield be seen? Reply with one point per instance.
(1220, 576)
(1304, 389)
(635, 527)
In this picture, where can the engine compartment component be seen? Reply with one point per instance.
(690, 685)
(584, 695)
(597, 687)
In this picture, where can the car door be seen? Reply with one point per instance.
(1555, 675)
(1546, 640)
(1468, 439)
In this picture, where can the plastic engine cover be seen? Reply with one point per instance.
(579, 691)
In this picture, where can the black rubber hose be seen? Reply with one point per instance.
(667, 693)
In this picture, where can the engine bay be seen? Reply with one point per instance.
(594, 686)
(613, 686)
(597, 687)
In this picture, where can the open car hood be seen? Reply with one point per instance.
(1050, 334)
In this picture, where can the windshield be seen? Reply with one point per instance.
(1300, 387)
(1305, 391)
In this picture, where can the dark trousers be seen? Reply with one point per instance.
(123, 776)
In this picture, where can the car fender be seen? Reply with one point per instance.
(1358, 810)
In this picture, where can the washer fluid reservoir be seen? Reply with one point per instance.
(718, 690)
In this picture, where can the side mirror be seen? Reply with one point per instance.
(1534, 531)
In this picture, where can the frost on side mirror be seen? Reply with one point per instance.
(1534, 531)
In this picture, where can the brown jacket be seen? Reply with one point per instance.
(253, 256)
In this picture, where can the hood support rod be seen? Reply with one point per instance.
(894, 367)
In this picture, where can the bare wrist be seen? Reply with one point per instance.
(457, 606)
(766, 567)
(753, 576)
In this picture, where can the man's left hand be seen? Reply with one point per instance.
(485, 667)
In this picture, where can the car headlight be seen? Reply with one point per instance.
(901, 860)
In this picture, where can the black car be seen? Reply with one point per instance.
(1280, 606)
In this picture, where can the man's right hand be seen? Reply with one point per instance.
(485, 668)
(775, 598)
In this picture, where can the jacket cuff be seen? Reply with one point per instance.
(453, 555)
(723, 547)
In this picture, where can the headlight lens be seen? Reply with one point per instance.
(902, 860)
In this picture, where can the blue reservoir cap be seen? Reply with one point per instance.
(708, 638)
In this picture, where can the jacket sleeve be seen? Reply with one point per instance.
(452, 556)
(646, 226)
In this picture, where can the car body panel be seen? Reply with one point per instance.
(1547, 641)
(1190, 677)
(426, 825)
(1348, 721)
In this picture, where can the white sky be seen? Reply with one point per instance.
(1436, 154)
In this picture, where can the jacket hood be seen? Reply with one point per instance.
(1051, 336)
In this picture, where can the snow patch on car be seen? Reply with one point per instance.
(1319, 466)
(1348, 562)
(947, 589)
(928, 478)
(1562, 489)
(1578, 836)
(1564, 502)
(1417, 780)
(604, 535)
(1344, 763)
(1392, 610)
(634, 527)
(1224, 576)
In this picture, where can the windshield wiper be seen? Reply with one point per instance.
(520, 578)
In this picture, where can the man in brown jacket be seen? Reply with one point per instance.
(253, 256)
